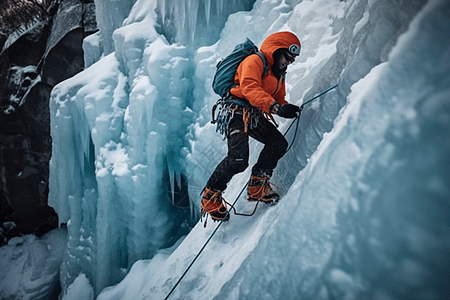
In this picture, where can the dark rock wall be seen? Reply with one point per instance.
(44, 55)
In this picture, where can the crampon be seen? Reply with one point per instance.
(214, 205)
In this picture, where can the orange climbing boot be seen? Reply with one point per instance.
(214, 204)
(259, 189)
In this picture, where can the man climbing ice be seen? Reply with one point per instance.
(248, 106)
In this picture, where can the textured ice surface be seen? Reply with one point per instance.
(29, 267)
(365, 191)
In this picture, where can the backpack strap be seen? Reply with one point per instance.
(265, 70)
(265, 66)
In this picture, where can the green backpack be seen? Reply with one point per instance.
(226, 68)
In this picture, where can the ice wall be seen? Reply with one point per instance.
(196, 22)
(131, 134)
(110, 15)
(368, 30)
(115, 150)
(367, 218)
(120, 134)
(189, 22)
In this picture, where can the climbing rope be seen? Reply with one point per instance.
(298, 117)
(243, 189)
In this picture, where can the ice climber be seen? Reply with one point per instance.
(250, 105)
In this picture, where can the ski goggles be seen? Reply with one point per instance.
(294, 49)
(292, 53)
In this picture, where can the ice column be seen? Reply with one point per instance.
(110, 15)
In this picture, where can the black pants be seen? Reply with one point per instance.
(275, 146)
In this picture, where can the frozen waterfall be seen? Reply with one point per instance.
(365, 187)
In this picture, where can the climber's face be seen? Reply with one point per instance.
(285, 60)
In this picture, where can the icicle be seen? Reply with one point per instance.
(219, 7)
(162, 4)
(193, 13)
(181, 12)
(172, 177)
(179, 180)
(207, 11)
(85, 135)
(172, 183)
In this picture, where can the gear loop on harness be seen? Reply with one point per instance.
(229, 106)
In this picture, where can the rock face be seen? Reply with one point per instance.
(47, 53)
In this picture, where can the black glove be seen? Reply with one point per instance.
(289, 111)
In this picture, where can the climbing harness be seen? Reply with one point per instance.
(229, 106)
(237, 198)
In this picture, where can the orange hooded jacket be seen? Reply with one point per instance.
(262, 92)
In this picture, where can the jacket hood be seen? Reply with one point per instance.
(275, 41)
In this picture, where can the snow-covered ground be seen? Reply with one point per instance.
(364, 212)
